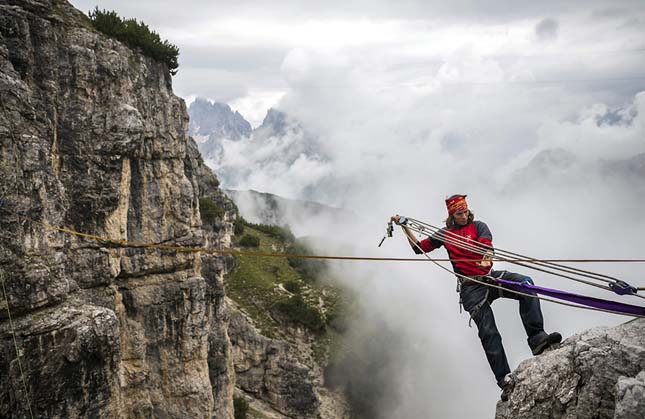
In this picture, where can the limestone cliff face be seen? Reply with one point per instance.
(597, 374)
(93, 139)
(281, 378)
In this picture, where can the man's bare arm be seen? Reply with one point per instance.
(410, 235)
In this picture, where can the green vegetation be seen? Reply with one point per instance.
(309, 269)
(240, 407)
(293, 287)
(238, 227)
(136, 34)
(210, 211)
(275, 294)
(249, 240)
(299, 312)
(276, 232)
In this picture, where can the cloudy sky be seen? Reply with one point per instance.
(250, 53)
(535, 109)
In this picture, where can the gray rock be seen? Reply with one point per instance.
(94, 140)
(630, 397)
(596, 374)
(280, 378)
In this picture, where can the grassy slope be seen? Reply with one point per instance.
(257, 286)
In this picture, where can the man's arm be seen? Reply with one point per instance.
(423, 246)
(485, 237)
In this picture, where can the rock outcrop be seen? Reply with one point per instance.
(597, 374)
(94, 140)
(280, 378)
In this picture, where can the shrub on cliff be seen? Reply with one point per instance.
(298, 311)
(293, 287)
(240, 407)
(248, 240)
(277, 232)
(238, 226)
(136, 34)
(210, 211)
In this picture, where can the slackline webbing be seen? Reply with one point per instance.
(576, 298)
(520, 292)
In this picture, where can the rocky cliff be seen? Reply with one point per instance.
(93, 140)
(597, 374)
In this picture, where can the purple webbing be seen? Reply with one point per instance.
(576, 298)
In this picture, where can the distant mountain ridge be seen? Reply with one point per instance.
(246, 158)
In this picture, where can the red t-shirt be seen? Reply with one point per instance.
(473, 234)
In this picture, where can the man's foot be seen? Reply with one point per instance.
(507, 385)
(543, 340)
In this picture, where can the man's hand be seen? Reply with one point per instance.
(487, 260)
(399, 219)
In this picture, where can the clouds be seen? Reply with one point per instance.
(279, 156)
(234, 51)
(530, 155)
(459, 10)
(547, 30)
(447, 121)
(600, 132)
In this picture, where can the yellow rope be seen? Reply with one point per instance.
(291, 255)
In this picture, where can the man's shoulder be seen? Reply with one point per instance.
(480, 225)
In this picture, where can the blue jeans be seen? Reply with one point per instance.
(477, 298)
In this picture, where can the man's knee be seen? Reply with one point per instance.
(515, 277)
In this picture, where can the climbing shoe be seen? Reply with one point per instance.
(543, 340)
(507, 385)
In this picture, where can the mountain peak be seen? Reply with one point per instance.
(214, 118)
(275, 122)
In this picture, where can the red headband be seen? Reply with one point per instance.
(456, 204)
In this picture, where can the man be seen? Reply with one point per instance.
(460, 237)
